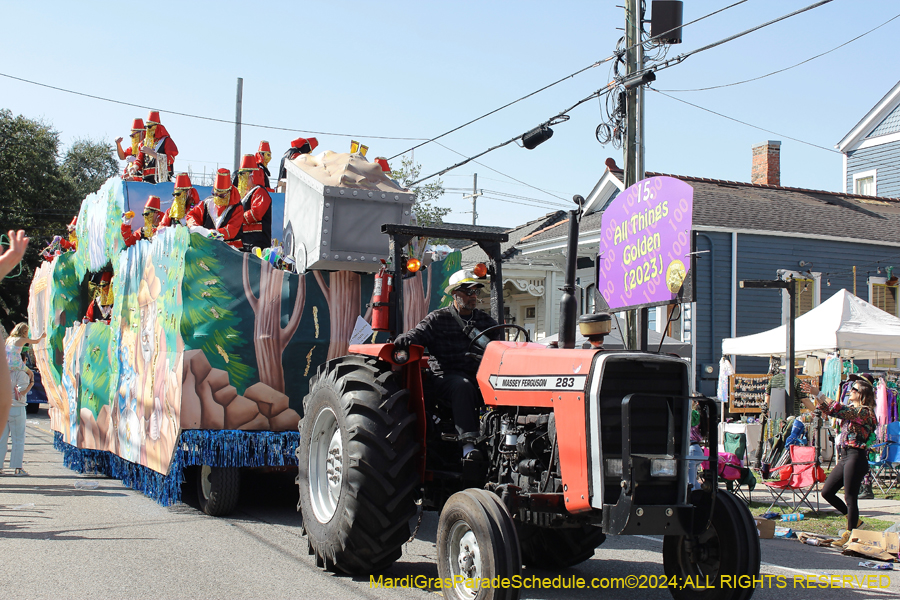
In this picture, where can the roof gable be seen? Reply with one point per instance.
(866, 127)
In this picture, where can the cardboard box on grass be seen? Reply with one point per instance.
(765, 527)
(874, 544)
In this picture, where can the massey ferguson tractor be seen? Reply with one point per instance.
(576, 444)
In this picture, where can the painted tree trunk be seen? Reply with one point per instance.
(269, 338)
(343, 296)
(416, 299)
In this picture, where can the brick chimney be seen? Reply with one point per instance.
(766, 167)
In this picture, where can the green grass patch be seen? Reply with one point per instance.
(825, 522)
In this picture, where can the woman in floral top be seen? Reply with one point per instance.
(857, 423)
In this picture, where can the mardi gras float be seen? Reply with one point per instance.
(203, 353)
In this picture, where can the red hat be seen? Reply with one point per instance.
(153, 118)
(305, 145)
(223, 180)
(383, 163)
(106, 277)
(137, 125)
(183, 181)
(152, 203)
(248, 163)
(74, 222)
(264, 147)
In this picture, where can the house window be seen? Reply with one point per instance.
(884, 297)
(807, 290)
(864, 183)
(530, 312)
(804, 295)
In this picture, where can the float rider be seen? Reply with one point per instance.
(184, 199)
(448, 333)
(298, 147)
(72, 242)
(152, 215)
(158, 151)
(263, 158)
(257, 205)
(102, 298)
(221, 214)
(130, 154)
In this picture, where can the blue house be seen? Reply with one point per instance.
(872, 150)
(758, 230)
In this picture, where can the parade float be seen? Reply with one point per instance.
(207, 352)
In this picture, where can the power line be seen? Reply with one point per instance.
(226, 121)
(578, 72)
(519, 181)
(681, 57)
(743, 122)
(715, 87)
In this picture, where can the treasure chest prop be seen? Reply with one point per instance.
(335, 204)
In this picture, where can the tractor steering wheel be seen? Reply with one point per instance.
(503, 326)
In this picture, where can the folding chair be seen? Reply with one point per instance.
(888, 462)
(736, 443)
(800, 477)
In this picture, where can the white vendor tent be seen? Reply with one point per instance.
(842, 323)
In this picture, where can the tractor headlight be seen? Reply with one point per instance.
(401, 356)
(663, 467)
(614, 467)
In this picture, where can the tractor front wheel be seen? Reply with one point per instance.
(218, 489)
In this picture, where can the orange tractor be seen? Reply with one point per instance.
(577, 444)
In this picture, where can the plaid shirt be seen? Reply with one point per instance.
(857, 422)
(446, 342)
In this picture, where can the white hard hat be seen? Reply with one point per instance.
(465, 278)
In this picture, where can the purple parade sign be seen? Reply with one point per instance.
(645, 248)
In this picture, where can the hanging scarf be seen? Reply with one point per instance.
(725, 373)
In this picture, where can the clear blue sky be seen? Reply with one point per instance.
(417, 69)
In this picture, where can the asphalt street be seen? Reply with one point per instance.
(59, 541)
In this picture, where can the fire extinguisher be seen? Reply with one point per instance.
(384, 284)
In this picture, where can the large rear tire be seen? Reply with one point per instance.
(549, 548)
(218, 489)
(476, 540)
(357, 465)
(729, 547)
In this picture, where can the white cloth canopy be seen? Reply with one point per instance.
(842, 323)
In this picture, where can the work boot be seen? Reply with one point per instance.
(866, 492)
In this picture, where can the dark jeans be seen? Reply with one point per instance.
(258, 239)
(848, 473)
(461, 392)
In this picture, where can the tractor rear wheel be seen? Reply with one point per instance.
(358, 459)
(728, 547)
(546, 547)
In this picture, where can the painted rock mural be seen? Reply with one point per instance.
(200, 336)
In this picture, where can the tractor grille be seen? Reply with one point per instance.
(657, 423)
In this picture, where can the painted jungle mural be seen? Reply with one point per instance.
(183, 332)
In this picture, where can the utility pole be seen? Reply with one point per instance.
(635, 320)
(237, 124)
(474, 197)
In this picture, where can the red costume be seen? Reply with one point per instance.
(162, 144)
(100, 308)
(263, 156)
(225, 216)
(257, 205)
(298, 147)
(151, 223)
(192, 199)
(72, 242)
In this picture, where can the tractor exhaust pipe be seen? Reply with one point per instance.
(568, 305)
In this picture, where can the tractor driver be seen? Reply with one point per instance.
(447, 333)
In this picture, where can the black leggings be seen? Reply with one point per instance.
(848, 473)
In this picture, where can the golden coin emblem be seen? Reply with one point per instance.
(675, 275)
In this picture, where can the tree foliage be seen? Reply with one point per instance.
(88, 164)
(427, 214)
(40, 192)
